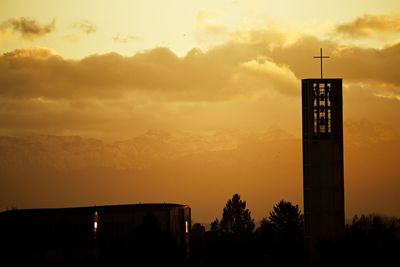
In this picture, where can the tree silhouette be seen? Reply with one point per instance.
(284, 228)
(373, 240)
(236, 219)
(285, 217)
(215, 227)
(230, 239)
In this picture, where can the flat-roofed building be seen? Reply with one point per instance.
(155, 233)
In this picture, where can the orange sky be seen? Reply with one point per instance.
(191, 103)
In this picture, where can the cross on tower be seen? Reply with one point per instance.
(321, 57)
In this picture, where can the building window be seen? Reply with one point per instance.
(186, 227)
(95, 223)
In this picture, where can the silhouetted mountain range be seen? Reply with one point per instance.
(184, 167)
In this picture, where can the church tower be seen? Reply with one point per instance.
(322, 161)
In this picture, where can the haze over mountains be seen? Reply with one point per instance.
(199, 169)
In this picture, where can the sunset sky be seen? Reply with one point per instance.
(211, 85)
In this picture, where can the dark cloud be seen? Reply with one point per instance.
(368, 25)
(241, 67)
(355, 64)
(196, 77)
(255, 78)
(28, 28)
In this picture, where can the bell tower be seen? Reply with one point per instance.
(323, 187)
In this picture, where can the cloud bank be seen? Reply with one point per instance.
(367, 25)
(28, 28)
(252, 80)
(237, 68)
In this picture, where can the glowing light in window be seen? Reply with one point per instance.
(95, 222)
(186, 227)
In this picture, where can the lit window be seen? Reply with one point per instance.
(186, 227)
(95, 222)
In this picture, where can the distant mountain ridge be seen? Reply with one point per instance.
(65, 153)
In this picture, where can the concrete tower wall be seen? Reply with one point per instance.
(322, 161)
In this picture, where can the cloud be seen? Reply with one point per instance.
(352, 63)
(252, 80)
(249, 65)
(209, 26)
(86, 26)
(377, 132)
(368, 25)
(82, 29)
(72, 37)
(244, 66)
(198, 76)
(125, 39)
(210, 21)
(267, 74)
(32, 53)
(43, 92)
(395, 96)
(28, 28)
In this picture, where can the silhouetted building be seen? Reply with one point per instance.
(148, 233)
(322, 162)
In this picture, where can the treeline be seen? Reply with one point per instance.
(233, 240)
